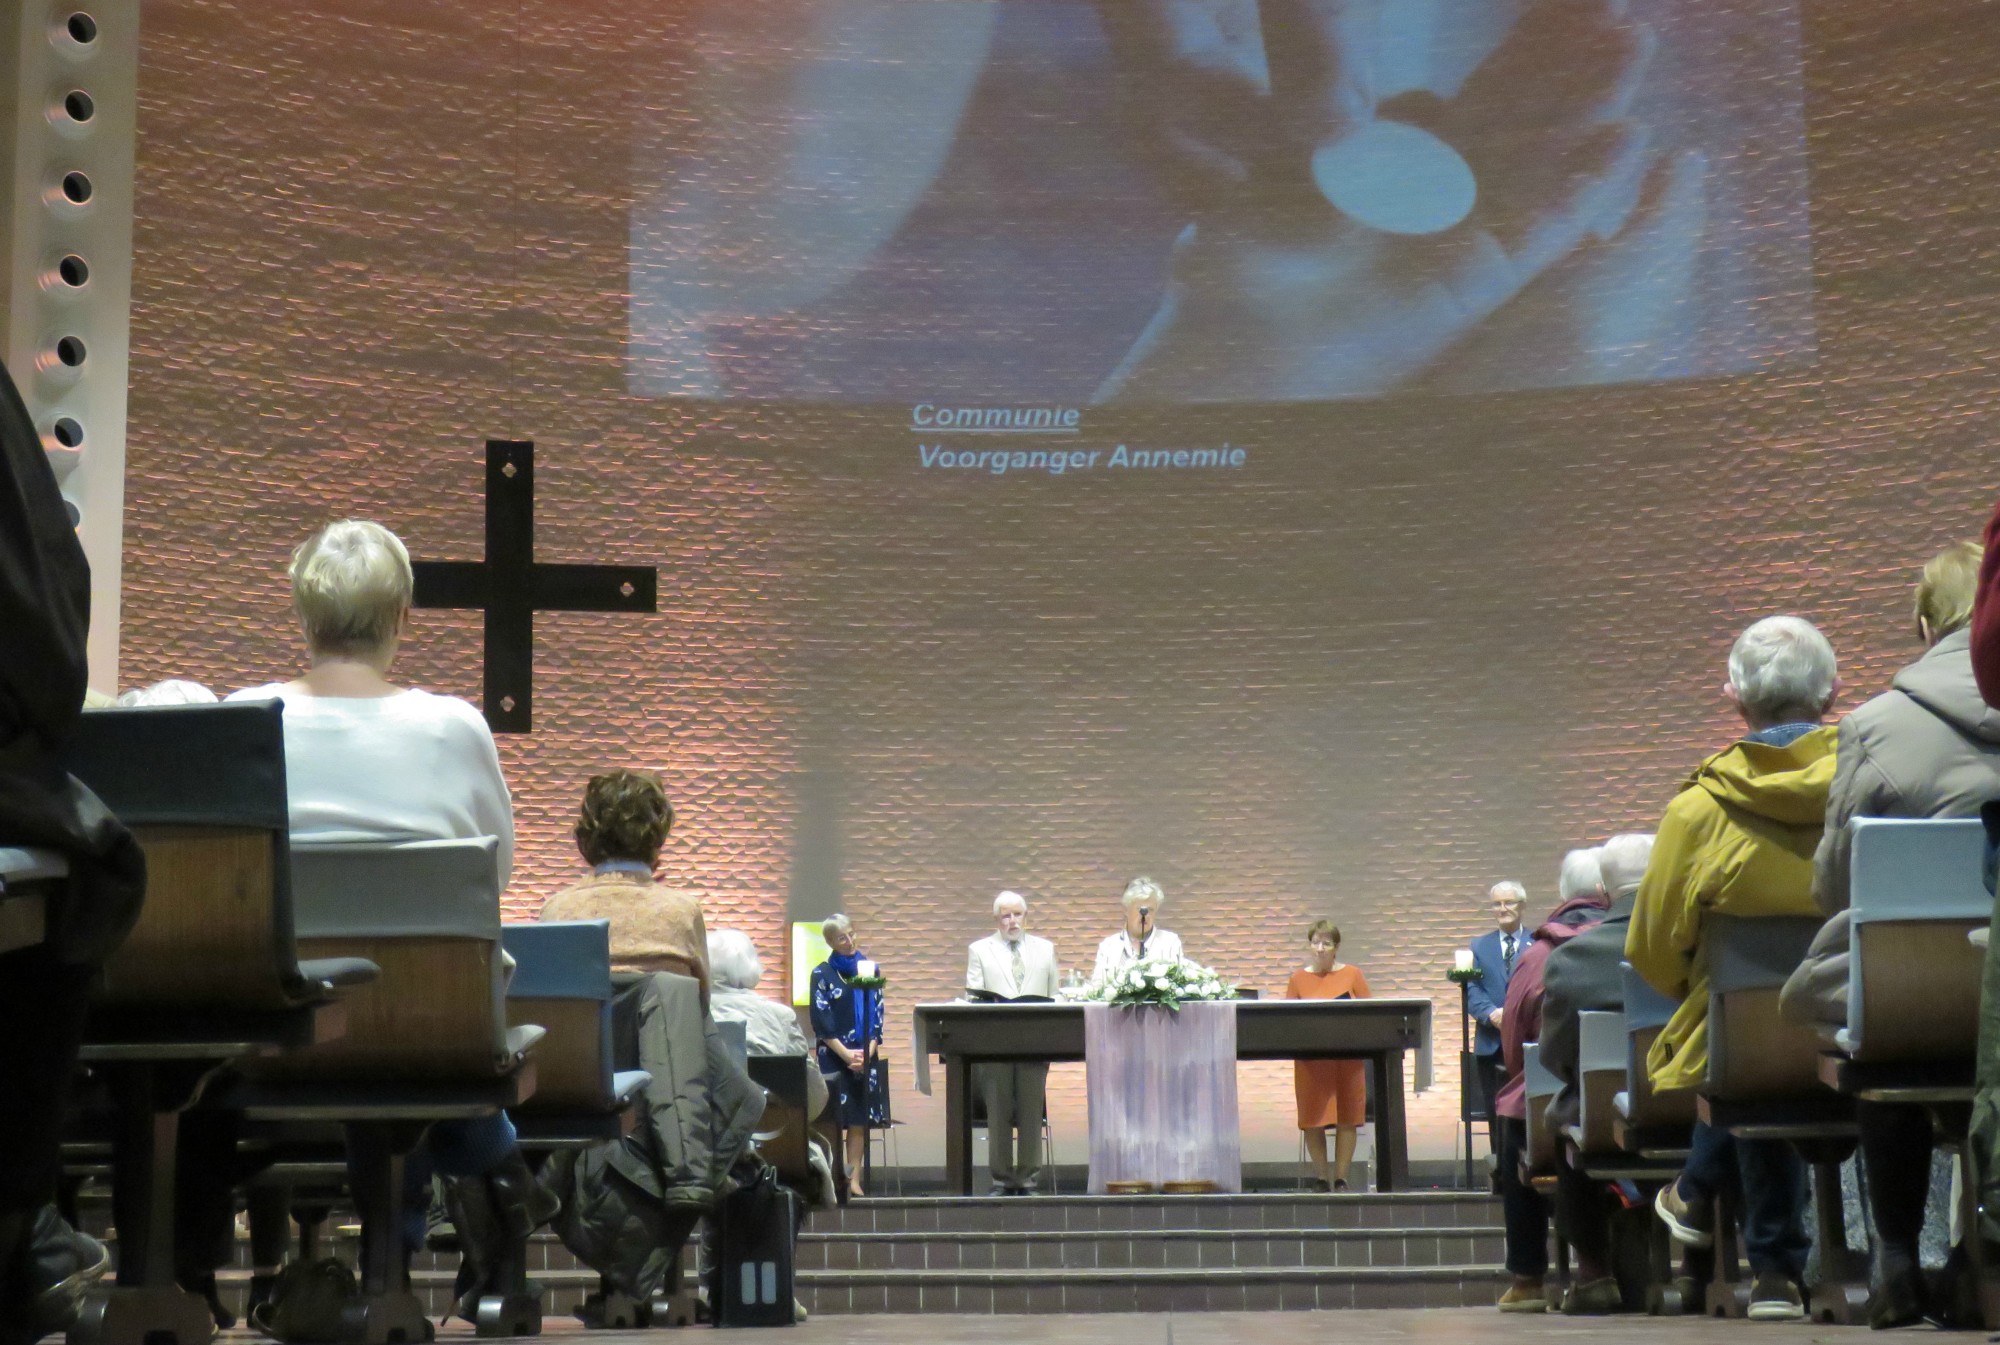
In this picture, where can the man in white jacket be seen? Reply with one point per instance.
(1011, 963)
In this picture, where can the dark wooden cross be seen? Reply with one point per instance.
(511, 587)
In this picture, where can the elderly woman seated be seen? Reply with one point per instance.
(369, 760)
(620, 833)
(769, 1028)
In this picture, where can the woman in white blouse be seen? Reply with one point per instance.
(1139, 939)
(368, 760)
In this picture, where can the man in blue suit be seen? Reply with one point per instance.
(1495, 953)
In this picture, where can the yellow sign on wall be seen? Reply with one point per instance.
(808, 951)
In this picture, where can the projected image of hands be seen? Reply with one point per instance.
(1161, 201)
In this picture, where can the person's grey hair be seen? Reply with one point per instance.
(835, 924)
(1509, 889)
(1005, 897)
(1783, 670)
(351, 583)
(1144, 892)
(1623, 860)
(733, 960)
(173, 691)
(1579, 875)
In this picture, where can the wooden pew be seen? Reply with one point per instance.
(209, 975)
(1917, 895)
(28, 878)
(429, 1041)
(1763, 1083)
(1648, 1123)
(784, 1135)
(562, 981)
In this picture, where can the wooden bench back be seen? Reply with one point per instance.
(1541, 1086)
(562, 982)
(1600, 1077)
(428, 914)
(203, 789)
(783, 1134)
(1648, 1107)
(1916, 890)
(1754, 1053)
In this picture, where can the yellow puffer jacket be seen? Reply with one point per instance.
(1737, 839)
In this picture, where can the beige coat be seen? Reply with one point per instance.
(653, 927)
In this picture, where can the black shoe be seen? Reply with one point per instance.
(1897, 1298)
(1951, 1294)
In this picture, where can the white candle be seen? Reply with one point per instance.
(1461, 959)
(866, 969)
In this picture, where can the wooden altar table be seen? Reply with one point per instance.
(1379, 1031)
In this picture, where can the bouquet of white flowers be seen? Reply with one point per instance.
(1166, 981)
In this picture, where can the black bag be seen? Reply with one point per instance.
(757, 1233)
(309, 1302)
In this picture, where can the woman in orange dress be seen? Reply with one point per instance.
(1331, 1092)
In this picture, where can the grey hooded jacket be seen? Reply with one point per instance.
(1927, 747)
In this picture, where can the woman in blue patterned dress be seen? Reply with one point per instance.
(847, 1024)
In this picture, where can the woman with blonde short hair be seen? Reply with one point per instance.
(365, 758)
(369, 760)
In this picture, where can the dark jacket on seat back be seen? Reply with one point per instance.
(629, 1204)
(1585, 974)
(44, 623)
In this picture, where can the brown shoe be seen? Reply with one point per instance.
(1525, 1294)
(1774, 1298)
(1686, 1220)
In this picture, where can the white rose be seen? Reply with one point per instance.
(1160, 983)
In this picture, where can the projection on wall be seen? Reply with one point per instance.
(1163, 201)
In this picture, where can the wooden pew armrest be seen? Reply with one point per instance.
(520, 1041)
(338, 973)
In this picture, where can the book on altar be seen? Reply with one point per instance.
(995, 997)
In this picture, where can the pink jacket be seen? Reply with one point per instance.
(1521, 1015)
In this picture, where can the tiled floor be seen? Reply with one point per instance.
(1465, 1326)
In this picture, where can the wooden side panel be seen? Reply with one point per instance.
(1754, 1053)
(429, 1016)
(1919, 990)
(205, 937)
(571, 1068)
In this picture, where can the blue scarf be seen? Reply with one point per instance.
(847, 964)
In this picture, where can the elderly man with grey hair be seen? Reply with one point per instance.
(1738, 840)
(1012, 964)
(1494, 954)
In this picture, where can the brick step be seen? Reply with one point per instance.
(1058, 1213)
(1148, 1290)
(1167, 1249)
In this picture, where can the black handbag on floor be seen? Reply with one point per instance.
(758, 1231)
